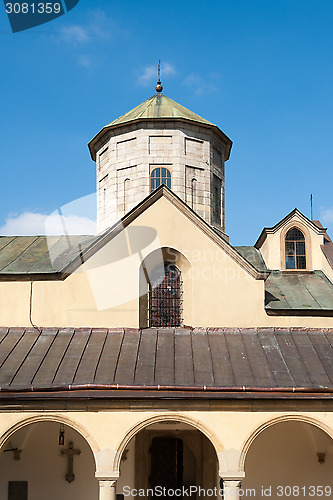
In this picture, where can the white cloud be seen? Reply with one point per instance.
(326, 215)
(99, 27)
(326, 218)
(74, 34)
(200, 85)
(149, 73)
(85, 61)
(30, 224)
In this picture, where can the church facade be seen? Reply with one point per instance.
(155, 357)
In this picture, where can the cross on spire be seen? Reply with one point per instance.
(159, 87)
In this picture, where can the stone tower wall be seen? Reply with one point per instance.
(126, 157)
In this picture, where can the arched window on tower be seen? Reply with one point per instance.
(158, 176)
(217, 189)
(165, 297)
(193, 193)
(295, 254)
(126, 188)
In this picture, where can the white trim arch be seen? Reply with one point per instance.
(53, 418)
(278, 420)
(175, 417)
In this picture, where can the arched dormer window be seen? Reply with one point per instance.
(295, 254)
(158, 176)
(165, 297)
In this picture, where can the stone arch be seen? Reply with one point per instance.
(151, 261)
(51, 418)
(269, 423)
(43, 464)
(135, 429)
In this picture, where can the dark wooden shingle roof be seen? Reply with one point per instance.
(203, 359)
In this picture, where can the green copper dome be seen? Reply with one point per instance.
(159, 106)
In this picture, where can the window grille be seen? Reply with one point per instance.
(165, 297)
(158, 176)
(295, 249)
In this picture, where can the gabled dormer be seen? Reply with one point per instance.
(296, 244)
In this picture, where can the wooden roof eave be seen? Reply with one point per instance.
(299, 312)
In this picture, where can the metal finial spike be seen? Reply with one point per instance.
(159, 87)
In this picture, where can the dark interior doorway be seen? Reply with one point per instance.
(166, 463)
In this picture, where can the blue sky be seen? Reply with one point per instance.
(260, 69)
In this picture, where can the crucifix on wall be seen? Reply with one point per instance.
(70, 452)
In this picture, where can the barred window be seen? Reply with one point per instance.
(158, 176)
(165, 297)
(295, 249)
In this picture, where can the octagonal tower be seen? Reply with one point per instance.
(157, 142)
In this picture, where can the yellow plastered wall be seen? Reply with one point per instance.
(104, 292)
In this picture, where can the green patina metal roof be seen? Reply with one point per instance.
(293, 291)
(34, 255)
(159, 106)
(253, 256)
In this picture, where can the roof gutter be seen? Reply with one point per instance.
(170, 388)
